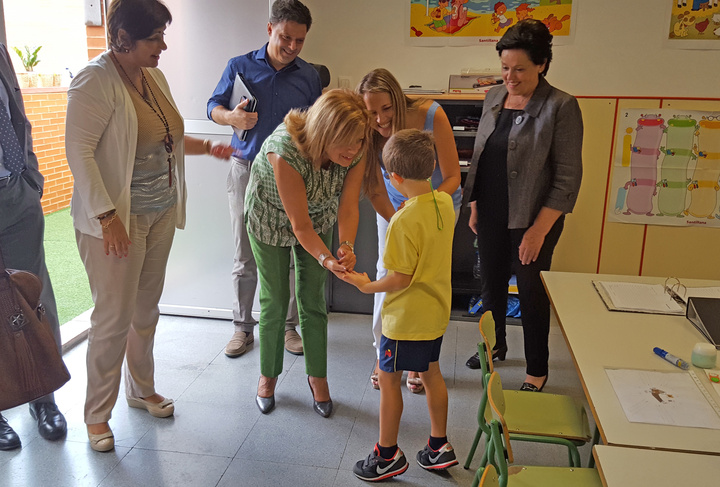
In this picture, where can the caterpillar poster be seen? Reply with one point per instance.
(666, 168)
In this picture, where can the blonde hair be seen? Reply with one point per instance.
(380, 80)
(338, 117)
(410, 154)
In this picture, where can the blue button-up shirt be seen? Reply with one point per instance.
(295, 86)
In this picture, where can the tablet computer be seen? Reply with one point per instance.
(241, 92)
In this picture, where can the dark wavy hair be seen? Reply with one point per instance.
(290, 11)
(533, 37)
(139, 18)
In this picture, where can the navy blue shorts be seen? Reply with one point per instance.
(415, 356)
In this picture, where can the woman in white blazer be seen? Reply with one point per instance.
(125, 145)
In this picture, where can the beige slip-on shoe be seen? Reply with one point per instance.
(293, 342)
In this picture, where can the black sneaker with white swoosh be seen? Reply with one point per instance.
(441, 459)
(375, 467)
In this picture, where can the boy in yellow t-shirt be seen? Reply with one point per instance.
(418, 253)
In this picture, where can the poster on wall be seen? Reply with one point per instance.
(694, 24)
(666, 168)
(467, 22)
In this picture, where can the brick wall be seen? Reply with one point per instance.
(45, 108)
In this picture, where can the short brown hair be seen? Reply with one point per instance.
(290, 11)
(337, 117)
(139, 18)
(410, 154)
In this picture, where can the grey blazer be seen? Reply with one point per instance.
(544, 162)
(20, 122)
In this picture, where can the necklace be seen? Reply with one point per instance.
(168, 140)
(518, 102)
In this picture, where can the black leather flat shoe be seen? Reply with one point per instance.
(473, 362)
(265, 404)
(499, 353)
(9, 440)
(526, 386)
(323, 408)
(51, 422)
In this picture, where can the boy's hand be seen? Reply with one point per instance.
(356, 279)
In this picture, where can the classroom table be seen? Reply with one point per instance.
(598, 339)
(622, 467)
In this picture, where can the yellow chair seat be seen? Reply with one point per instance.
(544, 414)
(552, 477)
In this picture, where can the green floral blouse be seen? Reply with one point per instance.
(265, 215)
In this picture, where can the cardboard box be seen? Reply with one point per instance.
(462, 83)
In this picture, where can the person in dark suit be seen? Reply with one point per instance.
(524, 178)
(22, 227)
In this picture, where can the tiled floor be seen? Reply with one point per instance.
(217, 436)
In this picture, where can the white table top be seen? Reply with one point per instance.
(600, 339)
(621, 467)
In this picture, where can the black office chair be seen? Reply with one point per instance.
(324, 73)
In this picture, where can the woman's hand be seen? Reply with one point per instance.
(531, 244)
(473, 220)
(346, 257)
(334, 266)
(221, 151)
(115, 238)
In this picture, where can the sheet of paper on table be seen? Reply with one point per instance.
(668, 398)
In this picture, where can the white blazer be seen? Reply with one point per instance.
(100, 143)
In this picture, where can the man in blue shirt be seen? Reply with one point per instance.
(280, 81)
(22, 228)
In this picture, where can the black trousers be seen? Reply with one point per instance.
(498, 251)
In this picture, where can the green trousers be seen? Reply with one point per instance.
(273, 264)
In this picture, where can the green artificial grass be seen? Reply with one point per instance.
(67, 273)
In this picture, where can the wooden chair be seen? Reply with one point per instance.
(500, 455)
(531, 416)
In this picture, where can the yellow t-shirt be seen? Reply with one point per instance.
(415, 246)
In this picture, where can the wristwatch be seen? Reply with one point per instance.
(352, 247)
(322, 258)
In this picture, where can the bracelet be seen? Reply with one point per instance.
(207, 145)
(106, 226)
(322, 258)
(345, 242)
(105, 215)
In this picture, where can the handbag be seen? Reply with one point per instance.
(30, 364)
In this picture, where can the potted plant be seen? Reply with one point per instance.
(29, 59)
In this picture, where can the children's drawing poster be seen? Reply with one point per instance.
(465, 22)
(694, 24)
(666, 168)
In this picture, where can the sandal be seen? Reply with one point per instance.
(374, 381)
(415, 385)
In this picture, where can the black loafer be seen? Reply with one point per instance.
(473, 362)
(9, 440)
(51, 422)
(265, 404)
(323, 408)
(526, 386)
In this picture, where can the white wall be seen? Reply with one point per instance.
(618, 50)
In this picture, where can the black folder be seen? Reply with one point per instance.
(704, 313)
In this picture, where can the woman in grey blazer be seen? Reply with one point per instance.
(524, 177)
